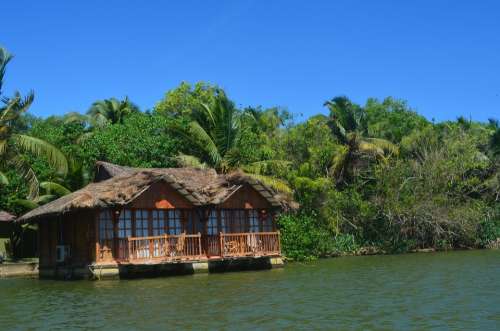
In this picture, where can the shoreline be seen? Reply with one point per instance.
(374, 251)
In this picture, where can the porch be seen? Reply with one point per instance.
(184, 247)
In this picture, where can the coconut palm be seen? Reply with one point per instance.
(214, 131)
(13, 143)
(348, 124)
(111, 111)
(50, 192)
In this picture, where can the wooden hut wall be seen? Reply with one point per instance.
(161, 196)
(246, 198)
(75, 230)
(47, 230)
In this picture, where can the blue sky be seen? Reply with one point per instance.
(443, 57)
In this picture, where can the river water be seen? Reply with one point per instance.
(435, 291)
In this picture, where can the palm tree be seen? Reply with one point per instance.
(214, 131)
(111, 111)
(13, 143)
(349, 125)
(51, 191)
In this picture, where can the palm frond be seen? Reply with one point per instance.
(84, 136)
(184, 160)
(207, 111)
(15, 106)
(73, 117)
(3, 144)
(54, 188)
(43, 199)
(384, 144)
(275, 183)
(3, 179)
(267, 167)
(26, 204)
(203, 140)
(339, 161)
(370, 148)
(5, 58)
(33, 184)
(42, 148)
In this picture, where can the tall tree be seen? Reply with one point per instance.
(348, 124)
(111, 111)
(214, 131)
(185, 99)
(13, 143)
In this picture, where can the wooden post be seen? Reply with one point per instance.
(129, 245)
(114, 250)
(97, 237)
(166, 247)
(279, 242)
(199, 244)
(221, 244)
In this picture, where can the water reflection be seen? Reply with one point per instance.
(457, 290)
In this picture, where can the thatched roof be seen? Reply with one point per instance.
(6, 217)
(118, 186)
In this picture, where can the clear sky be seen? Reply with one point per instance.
(443, 57)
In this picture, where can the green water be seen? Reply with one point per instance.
(440, 291)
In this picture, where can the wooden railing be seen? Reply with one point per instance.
(211, 244)
(190, 247)
(250, 244)
(165, 247)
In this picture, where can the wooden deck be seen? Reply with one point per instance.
(193, 247)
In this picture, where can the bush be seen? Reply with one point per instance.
(302, 238)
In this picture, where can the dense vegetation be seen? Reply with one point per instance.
(374, 176)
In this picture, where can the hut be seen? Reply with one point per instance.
(6, 228)
(133, 220)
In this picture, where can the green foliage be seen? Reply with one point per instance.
(303, 238)
(14, 143)
(185, 99)
(111, 111)
(374, 175)
(141, 141)
(349, 125)
(392, 119)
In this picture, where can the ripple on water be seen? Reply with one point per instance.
(456, 290)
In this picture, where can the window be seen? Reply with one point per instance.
(105, 226)
(125, 224)
(191, 224)
(225, 220)
(141, 223)
(159, 224)
(233, 220)
(174, 221)
(267, 222)
(253, 220)
(212, 227)
(239, 221)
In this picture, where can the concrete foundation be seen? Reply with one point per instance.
(127, 271)
(19, 269)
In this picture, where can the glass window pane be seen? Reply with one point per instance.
(174, 221)
(212, 226)
(125, 224)
(141, 223)
(253, 220)
(105, 226)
